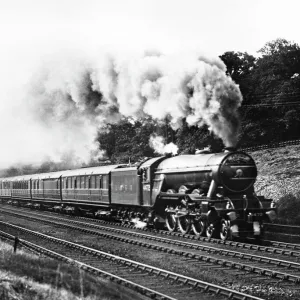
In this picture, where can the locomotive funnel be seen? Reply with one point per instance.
(229, 149)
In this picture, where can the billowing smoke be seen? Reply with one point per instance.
(63, 108)
(158, 144)
(172, 88)
(70, 99)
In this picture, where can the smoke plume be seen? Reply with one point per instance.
(158, 144)
(70, 98)
(190, 87)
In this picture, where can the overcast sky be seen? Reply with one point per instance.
(213, 26)
(33, 29)
(30, 29)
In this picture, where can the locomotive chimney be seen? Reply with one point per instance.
(229, 149)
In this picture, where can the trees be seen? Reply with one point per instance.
(240, 67)
(129, 140)
(277, 68)
(273, 79)
(238, 64)
(191, 138)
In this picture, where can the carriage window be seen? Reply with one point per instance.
(105, 182)
(74, 185)
(98, 181)
(93, 182)
(69, 184)
(82, 182)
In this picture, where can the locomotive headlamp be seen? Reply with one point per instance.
(234, 230)
(250, 217)
(256, 228)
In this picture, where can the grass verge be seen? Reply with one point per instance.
(26, 276)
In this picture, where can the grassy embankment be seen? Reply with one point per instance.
(279, 179)
(26, 276)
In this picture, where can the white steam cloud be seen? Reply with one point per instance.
(179, 87)
(70, 98)
(158, 144)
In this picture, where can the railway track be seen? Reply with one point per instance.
(264, 266)
(279, 228)
(283, 233)
(273, 247)
(153, 282)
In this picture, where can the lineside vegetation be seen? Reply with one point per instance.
(28, 276)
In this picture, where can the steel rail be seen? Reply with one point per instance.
(185, 280)
(95, 271)
(292, 229)
(285, 245)
(208, 259)
(272, 250)
(245, 246)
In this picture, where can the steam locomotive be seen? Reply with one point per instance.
(211, 194)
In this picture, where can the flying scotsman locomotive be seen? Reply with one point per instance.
(211, 194)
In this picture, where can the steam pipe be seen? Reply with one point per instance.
(212, 189)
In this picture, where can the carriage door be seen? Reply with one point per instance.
(146, 187)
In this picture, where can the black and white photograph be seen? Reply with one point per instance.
(149, 150)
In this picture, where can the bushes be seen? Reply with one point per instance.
(289, 209)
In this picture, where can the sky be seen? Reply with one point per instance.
(31, 30)
(213, 26)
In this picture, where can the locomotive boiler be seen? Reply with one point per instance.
(211, 194)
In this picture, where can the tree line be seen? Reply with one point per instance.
(270, 85)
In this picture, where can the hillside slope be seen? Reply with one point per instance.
(278, 171)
